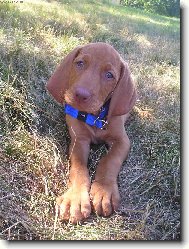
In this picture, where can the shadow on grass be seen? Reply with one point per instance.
(143, 22)
(149, 180)
(97, 25)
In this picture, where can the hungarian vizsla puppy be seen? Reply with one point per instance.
(95, 86)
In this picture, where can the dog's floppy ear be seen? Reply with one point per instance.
(59, 81)
(124, 95)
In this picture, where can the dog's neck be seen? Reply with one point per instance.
(99, 121)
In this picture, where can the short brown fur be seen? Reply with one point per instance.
(85, 69)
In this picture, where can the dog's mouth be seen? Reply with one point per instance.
(92, 105)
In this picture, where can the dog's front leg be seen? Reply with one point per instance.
(74, 205)
(104, 190)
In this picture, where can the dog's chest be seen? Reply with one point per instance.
(97, 135)
(79, 129)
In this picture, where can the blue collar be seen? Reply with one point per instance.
(90, 119)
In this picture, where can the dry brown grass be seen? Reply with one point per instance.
(34, 140)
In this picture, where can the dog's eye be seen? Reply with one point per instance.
(109, 75)
(80, 64)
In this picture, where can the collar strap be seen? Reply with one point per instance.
(90, 119)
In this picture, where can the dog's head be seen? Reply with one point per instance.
(90, 75)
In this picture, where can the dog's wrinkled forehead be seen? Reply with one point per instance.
(102, 52)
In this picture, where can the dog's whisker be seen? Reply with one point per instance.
(71, 152)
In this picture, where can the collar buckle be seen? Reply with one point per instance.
(104, 123)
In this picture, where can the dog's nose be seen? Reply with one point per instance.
(82, 94)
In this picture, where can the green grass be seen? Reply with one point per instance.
(34, 37)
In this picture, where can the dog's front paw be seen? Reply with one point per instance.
(105, 197)
(74, 205)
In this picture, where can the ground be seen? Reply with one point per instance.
(34, 166)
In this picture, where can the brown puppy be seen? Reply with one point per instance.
(86, 79)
